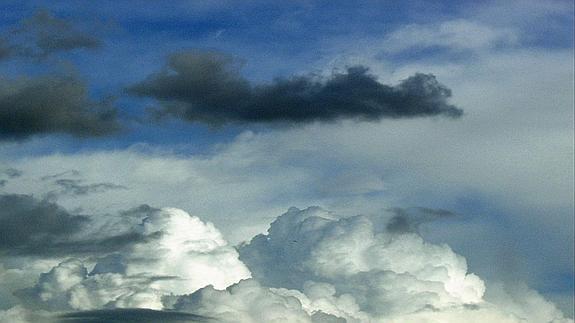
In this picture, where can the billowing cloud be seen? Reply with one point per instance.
(207, 87)
(186, 255)
(52, 105)
(312, 266)
(359, 257)
(388, 275)
(245, 302)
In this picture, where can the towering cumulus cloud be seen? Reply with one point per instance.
(311, 266)
(354, 269)
(207, 87)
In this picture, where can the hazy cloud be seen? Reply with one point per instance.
(72, 172)
(44, 34)
(456, 35)
(76, 187)
(6, 49)
(51, 104)
(207, 87)
(12, 172)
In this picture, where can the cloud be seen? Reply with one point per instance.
(312, 266)
(409, 220)
(44, 34)
(33, 227)
(245, 302)
(207, 87)
(388, 275)
(455, 35)
(310, 245)
(75, 187)
(12, 172)
(72, 172)
(69, 287)
(186, 255)
(131, 315)
(29, 224)
(51, 105)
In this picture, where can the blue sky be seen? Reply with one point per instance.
(505, 167)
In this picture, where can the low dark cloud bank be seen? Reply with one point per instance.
(207, 87)
(130, 315)
(52, 105)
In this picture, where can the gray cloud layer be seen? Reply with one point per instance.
(207, 87)
(51, 104)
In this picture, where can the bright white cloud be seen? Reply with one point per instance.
(356, 270)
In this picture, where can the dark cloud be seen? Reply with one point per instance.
(27, 223)
(90, 246)
(130, 315)
(207, 87)
(409, 220)
(52, 104)
(29, 226)
(44, 34)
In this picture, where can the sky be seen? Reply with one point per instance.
(287, 161)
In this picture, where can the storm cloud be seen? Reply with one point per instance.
(49, 105)
(207, 87)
